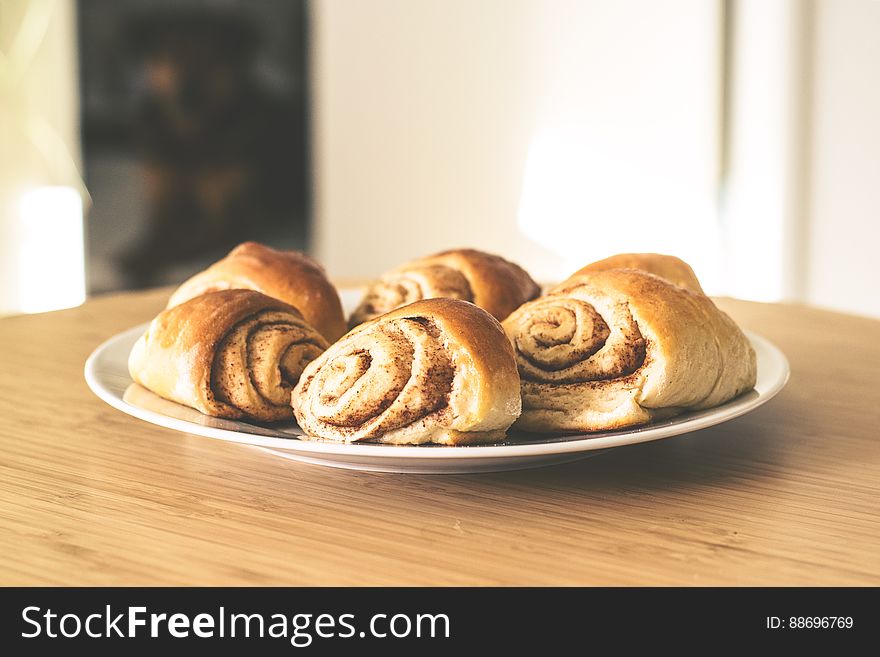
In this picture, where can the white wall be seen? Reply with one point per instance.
(844, 231)
(558, 132)
(763, 209)
(554, 132)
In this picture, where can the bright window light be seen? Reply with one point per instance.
(51, 259)
(585, 200)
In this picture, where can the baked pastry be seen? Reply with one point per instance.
(230, 353)
(438, 370)
(675, 270)
(489, 281)
(290, 276)
(622, 347)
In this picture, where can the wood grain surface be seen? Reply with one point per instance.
(789, 494)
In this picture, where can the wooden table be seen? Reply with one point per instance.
(788, 494)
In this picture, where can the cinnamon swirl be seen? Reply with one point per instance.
(438, 370)
(621, 347)
(486, 280)
(230, 353)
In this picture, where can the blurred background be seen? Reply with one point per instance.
(140, 140)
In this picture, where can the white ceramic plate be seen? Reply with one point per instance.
(106, 373)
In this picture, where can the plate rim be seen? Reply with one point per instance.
(578, 443)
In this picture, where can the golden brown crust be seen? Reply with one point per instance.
(670, 268)
(437, 370)
(615, 348)
(290, 276)
(499, 286)
(229, 353)
(489, 281)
